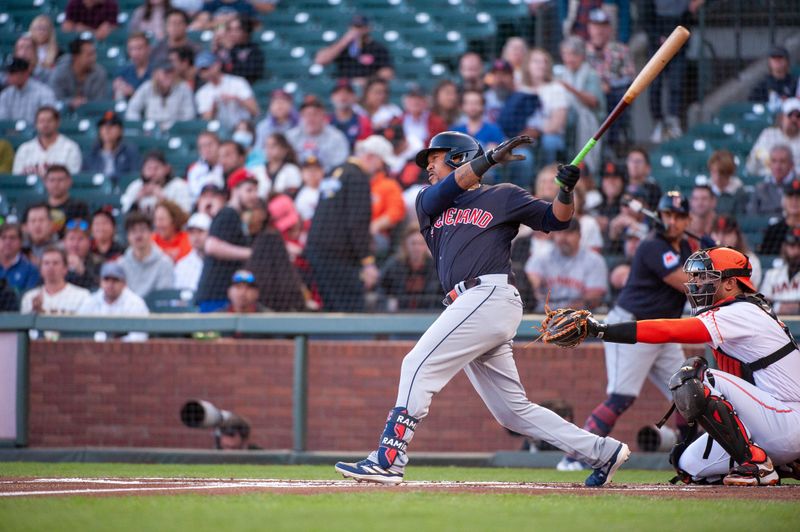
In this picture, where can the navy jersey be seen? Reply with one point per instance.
(473, 236)
(646, 295)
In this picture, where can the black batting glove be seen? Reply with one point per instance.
(504, 152)
(567, 177)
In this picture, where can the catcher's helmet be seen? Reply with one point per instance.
(674, 201)
(458, 146)
(708, 267)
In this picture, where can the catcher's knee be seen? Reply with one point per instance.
(688, 390)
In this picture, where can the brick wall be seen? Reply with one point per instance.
(120, 394)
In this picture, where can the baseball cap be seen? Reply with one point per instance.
(282, 212)
(501, 65)
(310, 160)
(238, 177)
(343, 84)
(199, 220)
(726, 224)
(311, 101)
(359, 21)
(792, 187)
(792, 236)
(17, 64)
(112, 269)
(394, 133)
(674, 201)
(109, 118)
(211, 188)
(790, 105)
(599, 16)
(779, 51)
(613, 170)
(723, 259)
(205, 59)
(243, 276)
(376, 145)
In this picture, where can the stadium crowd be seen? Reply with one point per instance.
(309, 205)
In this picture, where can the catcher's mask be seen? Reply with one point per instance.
(459, 147)
(707, 268)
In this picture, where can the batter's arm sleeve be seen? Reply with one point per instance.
(436, 198)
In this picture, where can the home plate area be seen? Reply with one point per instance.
(29, 487)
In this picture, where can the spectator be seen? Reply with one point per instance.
(345, 117)
(418, 121)
(475, 123)
(9, 299)
(77, 78)
(243, 294)
(83, 268)
(281, 116)
(388, 207)
(703, 210)
(500, 87)
(244, 135)
(104, 235)
(57, 183)
(338, 246)
(781, 283)
(612, 186)
(627, 222)
(177, 24)
(96, 16)
(232, 157)
(403, 168)
(570, 275)
(112, 156)
(239, 56)
(156, 182)
(38, 230)
(226, 247)
(56, 295)
(151, 18)
(25, 48)
(219, 12)
(729, 189)
(515, 54)
(146, 267)
(49, 147)
(115, 299)
(23, 96)
(138, 69)
(212, 199)
(612, 61)
(280, 171)
(586, 99)
(191, 7)
(164, 99)
(446, 102)
(224, 97)
(182, 59)
(470, 69)
(15, 268)
(308, 196)
(576, 19)
(408, 280)
(787, 133)
(314, 136)
(6, 156)
(207, 169)
(548, 124)
(620, 272)
(766, 198)
(775, 233)
(640, 182)
(357, 55)
(511, 107)
(189, 268)
(168, 221)
(591, 235)
(376, 105)
(779, 83)
(727, 232)
(43, 35)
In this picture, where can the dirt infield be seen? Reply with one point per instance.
(93, 487)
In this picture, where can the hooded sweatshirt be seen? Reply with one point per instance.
(156, 272)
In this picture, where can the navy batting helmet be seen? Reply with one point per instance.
(674, 201)
(460, 149)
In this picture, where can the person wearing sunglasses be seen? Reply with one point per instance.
(243, 293)
(58, 182)
(786, 132)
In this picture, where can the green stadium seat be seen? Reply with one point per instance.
(77, 126)
(91, 181)
(21, 190)
(94, 109)
(191, 128)
(96, 198)
(753, 223)
(180, 161)
(171, 301)
(506, 10)
(124, 180)
(145, 143)
(744, 112)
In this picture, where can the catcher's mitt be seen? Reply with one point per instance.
(565, 327)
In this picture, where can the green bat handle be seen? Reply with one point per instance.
(586, 149)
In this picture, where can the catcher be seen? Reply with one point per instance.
(750, 407)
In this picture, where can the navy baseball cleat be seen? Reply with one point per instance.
(603, 474)
(368, 471)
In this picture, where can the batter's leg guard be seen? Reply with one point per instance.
(394, 441)
(697, 404)
(603, 418)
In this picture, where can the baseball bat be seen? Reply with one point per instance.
(637, 206)
(652, 69)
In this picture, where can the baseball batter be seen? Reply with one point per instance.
(468, 228)
(654, 290)
(750, 407)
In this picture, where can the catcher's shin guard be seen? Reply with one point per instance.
(394, 441)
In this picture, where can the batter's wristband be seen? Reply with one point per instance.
(564, 196)
(481, 165)
(618, 333)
